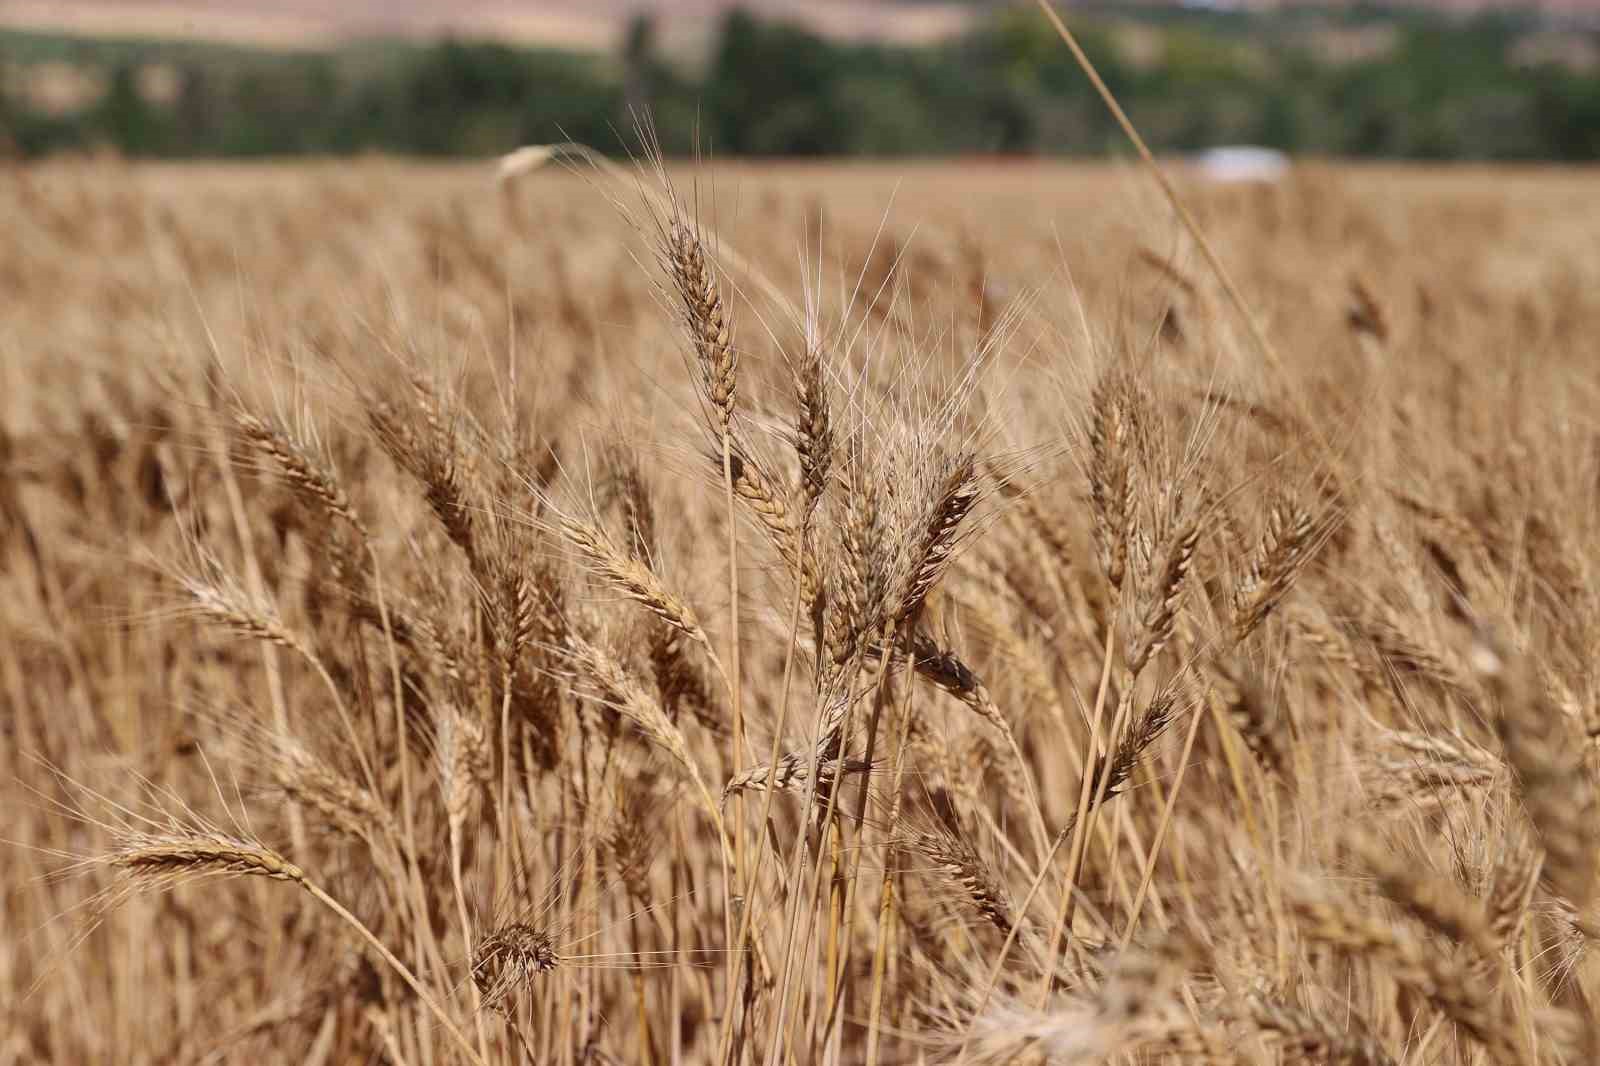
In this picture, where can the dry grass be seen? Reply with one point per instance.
(447, 622)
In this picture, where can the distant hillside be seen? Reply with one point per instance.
(589, 24)
(562, 23)
(1583, 10)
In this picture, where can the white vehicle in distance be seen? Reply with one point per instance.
(1235, 164)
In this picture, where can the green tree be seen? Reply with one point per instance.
(772, 90)
(124, 117)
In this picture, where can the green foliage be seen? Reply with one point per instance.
(1439, 90)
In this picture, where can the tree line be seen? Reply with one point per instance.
(1436, 90)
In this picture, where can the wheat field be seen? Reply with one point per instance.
(797, 614)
